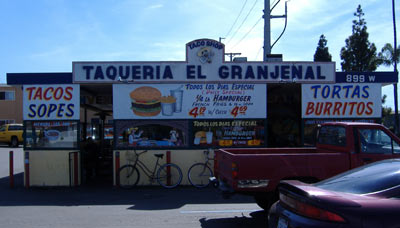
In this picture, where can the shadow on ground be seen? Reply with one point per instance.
(141, 198)
(256, 219)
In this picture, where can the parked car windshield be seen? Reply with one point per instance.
(370, 178)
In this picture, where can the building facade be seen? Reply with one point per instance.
(83, 126)
(10, 104)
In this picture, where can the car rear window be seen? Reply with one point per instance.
(332, 135)
(366, 179)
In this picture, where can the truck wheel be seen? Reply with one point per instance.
(14, 141)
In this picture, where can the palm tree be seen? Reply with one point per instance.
(386, 56)
(390, 57)
(386, 111)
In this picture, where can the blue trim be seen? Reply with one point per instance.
(38, 78)
(66, 78)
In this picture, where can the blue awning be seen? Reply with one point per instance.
(39, 78)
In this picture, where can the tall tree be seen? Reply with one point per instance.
(322, 52)
(359, 54)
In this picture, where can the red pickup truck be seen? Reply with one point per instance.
(340, 146)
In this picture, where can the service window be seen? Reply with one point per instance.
(51, 134)
(151, 133)
(376, 141)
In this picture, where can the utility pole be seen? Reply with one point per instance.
(232, 54)
(267, 30)
(267, 27)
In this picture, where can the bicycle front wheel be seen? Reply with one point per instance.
(199, 175)
(169, 175)
(128, 176)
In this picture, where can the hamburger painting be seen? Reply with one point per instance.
(146, 101)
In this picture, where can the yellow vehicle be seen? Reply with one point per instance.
(11, 134)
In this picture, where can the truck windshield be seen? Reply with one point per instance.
(332, 135)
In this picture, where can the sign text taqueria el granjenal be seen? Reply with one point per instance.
(173, 72)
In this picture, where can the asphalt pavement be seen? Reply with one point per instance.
(107, 206)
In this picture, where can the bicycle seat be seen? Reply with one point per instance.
(159, 155)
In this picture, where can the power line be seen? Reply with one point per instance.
(243, 20)
(247, 33)
(273, 2)
(272, 8)
(284, 29)
(236, 19)
(259, 50)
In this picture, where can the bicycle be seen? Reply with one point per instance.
(199, 173)
(168, 175)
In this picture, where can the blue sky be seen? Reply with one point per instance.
(47, 35)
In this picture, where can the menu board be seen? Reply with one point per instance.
(189, 101)
(51, 134)
(228, 133)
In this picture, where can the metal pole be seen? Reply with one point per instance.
(396, 112)
(267, 30)
(26, 161)
(11, 157)
(117, 166)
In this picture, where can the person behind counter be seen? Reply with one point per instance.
(174, 137)
(135, 136)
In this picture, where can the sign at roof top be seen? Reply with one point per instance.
(204, 63)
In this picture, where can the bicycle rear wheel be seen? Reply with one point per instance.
(128, 176)
(199, 175)
(169, 175)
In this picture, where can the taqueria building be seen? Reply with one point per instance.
(79, 127)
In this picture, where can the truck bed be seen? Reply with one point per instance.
(274, 164)
(244, 151)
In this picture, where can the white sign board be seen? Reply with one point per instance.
(204, 64)
(51, 102)
(189, 101)
(341, 101)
